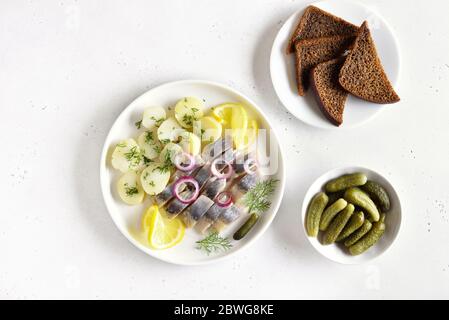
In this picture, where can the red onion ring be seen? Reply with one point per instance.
(186, 180)
(224, 199)
(250, 166)
(223, 174)
(178, 161)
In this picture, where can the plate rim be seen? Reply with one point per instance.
(103, 172)
(351, 168)
(322, 126)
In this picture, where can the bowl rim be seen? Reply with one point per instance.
(281, 173)
(351, 169)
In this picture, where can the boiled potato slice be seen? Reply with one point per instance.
(153, 117)
(188, 110)
(129, 188)
(154, 178)
(208, 129)
(190, 143)
(169, 152)
(126, 156)
(169, 131)
(149, 144)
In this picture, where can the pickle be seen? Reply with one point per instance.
(356, 236)
(314, 212)
(362, 200)
(246, 227)
(346, 182)
(378, 194)
(370, 239)
(353, 225)
(338, 225)
(334, 196)
(331, 212)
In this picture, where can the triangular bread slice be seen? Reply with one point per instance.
(311, 52)
(330, 96)
(317, 23)
(363, 74)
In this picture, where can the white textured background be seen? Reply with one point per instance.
(67, 69)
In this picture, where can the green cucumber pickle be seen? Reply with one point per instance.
(331, 212)
(370, 239)
(346, 182)
(356, 222)
(362, 200)
(338, 225)
(314, 212)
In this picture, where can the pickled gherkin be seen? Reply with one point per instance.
(346, 182)
(370, 239)
(331, 212)
(353, 225)
(356, 236)
(314, 212)
(378, 194)
(338, 225)
(361, 199)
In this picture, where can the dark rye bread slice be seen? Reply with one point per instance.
(311, 52)
(330, 96)
(363, 74)
(316, 23)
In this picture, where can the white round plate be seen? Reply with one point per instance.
(336, 252)
(282, 67)
(127, 218)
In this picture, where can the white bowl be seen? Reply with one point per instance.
(336, 252)
(282, 67)
(126, 217)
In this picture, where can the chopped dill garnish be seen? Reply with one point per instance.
(157, 148)
(165, 141)
(133, 156)
(214, 243)
(157, 121)
(147, 161)
(167, 164)
(138, 124)
(148, 136)
(187, 119)
(130, 191)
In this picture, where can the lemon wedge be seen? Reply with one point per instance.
(162, 233)
(233, 116)
(239, 125)
(223, 113)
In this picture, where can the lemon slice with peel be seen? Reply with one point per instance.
(162, 233)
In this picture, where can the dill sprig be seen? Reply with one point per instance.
(138, 124)
(214, 243)
(256, 199)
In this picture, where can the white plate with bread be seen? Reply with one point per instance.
(342, 93)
